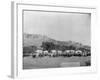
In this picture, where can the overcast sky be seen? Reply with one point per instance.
(59, 26)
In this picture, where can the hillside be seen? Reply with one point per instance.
(37, 39)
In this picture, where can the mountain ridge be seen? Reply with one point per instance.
(37, 39)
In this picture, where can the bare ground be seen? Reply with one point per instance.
(52, 62)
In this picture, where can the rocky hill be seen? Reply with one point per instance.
(37, 39)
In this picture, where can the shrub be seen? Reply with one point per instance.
(88, 63)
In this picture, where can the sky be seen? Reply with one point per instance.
(59, 26)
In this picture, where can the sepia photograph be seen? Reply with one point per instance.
(56, 39)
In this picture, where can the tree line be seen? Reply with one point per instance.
(51, 46)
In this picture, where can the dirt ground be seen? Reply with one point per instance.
(52, 62)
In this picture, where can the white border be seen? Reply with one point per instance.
(17, 70)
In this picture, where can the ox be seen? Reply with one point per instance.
(68, 53)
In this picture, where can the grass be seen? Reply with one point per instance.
(52, 62)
